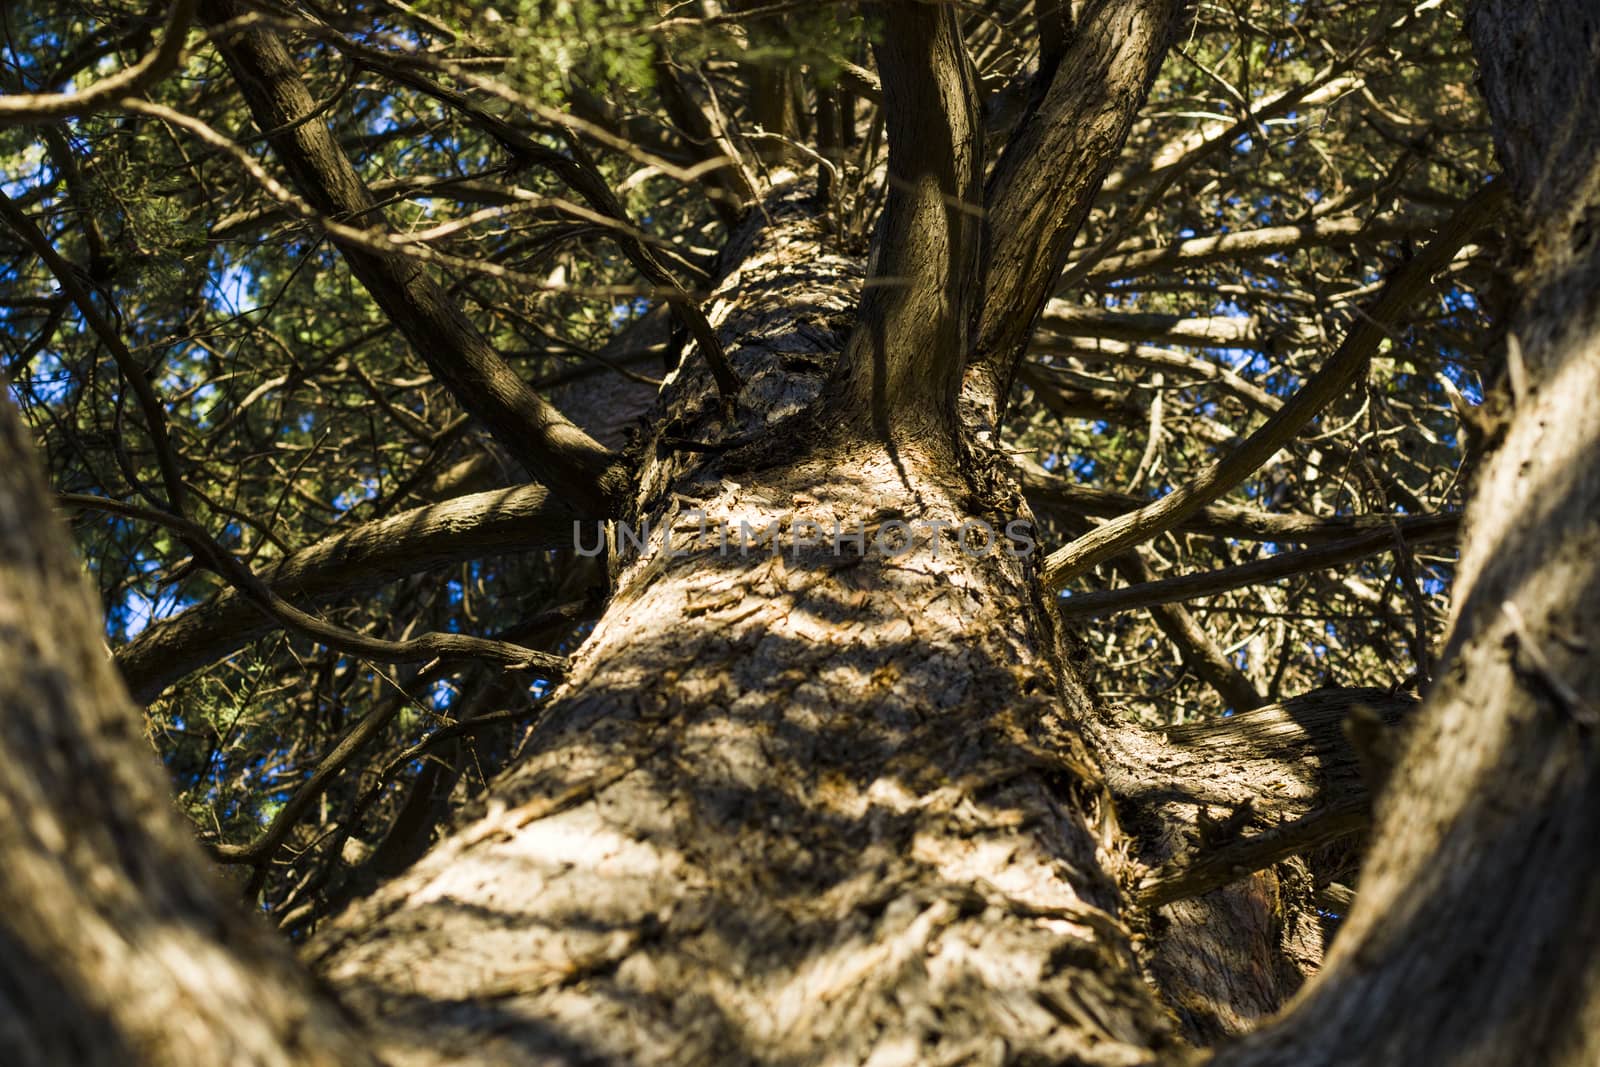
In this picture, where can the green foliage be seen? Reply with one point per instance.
(297, 411)
(556, 42)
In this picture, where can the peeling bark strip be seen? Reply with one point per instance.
(553, 450)
(811, 809)
(115, 946)
(1472, 939)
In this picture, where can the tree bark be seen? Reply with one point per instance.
(901, 369)
(812, 802)
(1036, 204)
(1472, 937)
(789, 807)
(1229, 930)
(116, 945)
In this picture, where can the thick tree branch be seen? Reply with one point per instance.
(261, 596)
(1070, 402)
(861, 81)
(1035, 204)
(553, 450)
(111, 929)
(903, 360)
(1227, 247)
(1062, 319)
(1240, 760)
(1471, 940)
(471, 527)
(1245, 856)
(733, 188)
(1191, 793)
(1055, 31)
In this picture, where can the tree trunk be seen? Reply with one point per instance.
(814, 799)
(795, 806)
(116, 946)
(1472, 940)
(825, 805)
(820, 805)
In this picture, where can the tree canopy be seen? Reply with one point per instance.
(185, 339)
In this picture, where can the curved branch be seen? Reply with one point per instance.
(1329, 80)
(1199, 652)
(1283, 565)
(1035, 204)
(544, 628)
(1163, 359)
(578, 169)
(22, 110)
(470, 527)
(219, 560)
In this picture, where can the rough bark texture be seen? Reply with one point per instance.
(115, 945)
(1472, 940)
(902, 366)
(1229, 927)
(809, 802)
(790, 808)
